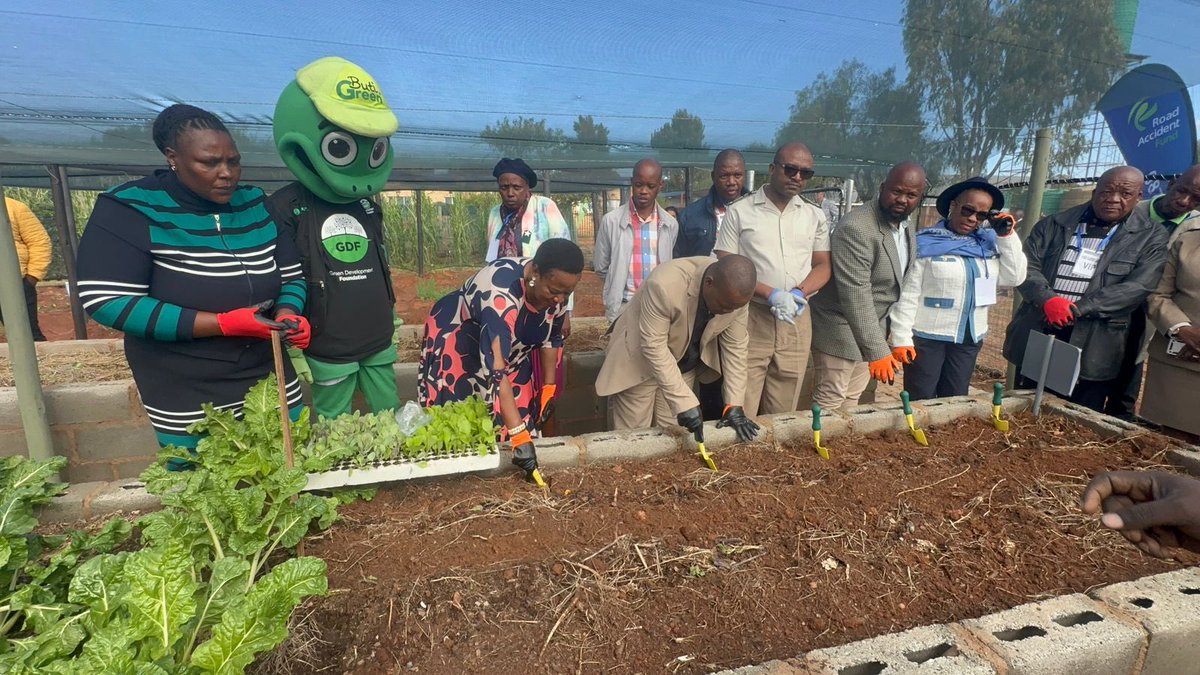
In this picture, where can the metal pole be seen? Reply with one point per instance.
(750, 180)
(64, 219)
(847, 197)
(1038, 173)
(546, 184)
(687, 186)
(21, 350)
(420, 197)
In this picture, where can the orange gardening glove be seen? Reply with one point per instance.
(904, 354)
(545, 406)
(884, 369)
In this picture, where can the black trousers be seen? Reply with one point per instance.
(941, 369)
(31, 307)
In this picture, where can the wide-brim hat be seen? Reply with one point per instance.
(348, 96)
(973, 183)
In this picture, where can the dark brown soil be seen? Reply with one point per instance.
(662, 566)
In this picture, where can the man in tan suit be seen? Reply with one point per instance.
(687, 320)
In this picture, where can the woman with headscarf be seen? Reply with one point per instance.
(1173, 364)
(192, 268)
(519, 225)
(939, 323)
(480, 341)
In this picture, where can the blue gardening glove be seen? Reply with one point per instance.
(783, 305)
(801, 300)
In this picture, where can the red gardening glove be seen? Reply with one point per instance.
(904, 354)
(884, 369)
(1059, 311)
(297, 331)
(247, 322)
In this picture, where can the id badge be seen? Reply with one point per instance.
(1085, 264)
(985, 291)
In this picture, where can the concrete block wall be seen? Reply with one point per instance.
(101, 429)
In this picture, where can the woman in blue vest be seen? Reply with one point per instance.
(191, 267)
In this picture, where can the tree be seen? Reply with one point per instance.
(993, 71)
(524, 137)
(684, 132)
(858, 122)
(590, 132)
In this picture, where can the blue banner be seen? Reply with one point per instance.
(1150, 115)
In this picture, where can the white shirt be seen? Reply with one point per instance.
(898, 236)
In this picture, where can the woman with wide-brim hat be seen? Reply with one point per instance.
(939, 323)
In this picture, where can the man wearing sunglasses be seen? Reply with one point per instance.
(873, 247)
(787, 240)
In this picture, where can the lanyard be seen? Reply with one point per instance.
(1103, 242)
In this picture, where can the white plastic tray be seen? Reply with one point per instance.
(345, 474)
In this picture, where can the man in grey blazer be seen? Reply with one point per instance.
(872, 248)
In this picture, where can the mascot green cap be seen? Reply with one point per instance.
(332, 128)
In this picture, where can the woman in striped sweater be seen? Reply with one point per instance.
(191, 267)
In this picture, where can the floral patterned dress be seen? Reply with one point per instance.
(456, 357)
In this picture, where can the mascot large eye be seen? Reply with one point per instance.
(378, 153)
(339, 148)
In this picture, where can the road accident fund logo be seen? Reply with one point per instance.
(344, 237)
(1161, 129)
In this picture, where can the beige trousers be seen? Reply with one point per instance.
(642, 406)
(839, 382)
(775, 361)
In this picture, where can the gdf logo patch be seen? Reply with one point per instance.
(344, 237)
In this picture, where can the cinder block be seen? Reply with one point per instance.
(406, 381)
(121, 497)
(12, 442)
(942, 411)
(1168, 606)
(69, 506)
(1104, 425)
(1065, 635)
(133, 467)
(578, 402)
(583, 367)
(557, 452)
(10, 412)
(90, 472)
(797, 427)
(928, 649)
(620, 446)
(1014, 401)
(875, 417)
(1187, 459)
(118, 442)
(87, 403)
(776, 667)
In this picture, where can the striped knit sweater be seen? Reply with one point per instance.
(154, 253)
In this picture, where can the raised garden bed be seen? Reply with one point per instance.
(662, 566)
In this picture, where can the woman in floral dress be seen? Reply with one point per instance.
(479, 340)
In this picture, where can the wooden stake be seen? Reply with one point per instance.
(285, 418)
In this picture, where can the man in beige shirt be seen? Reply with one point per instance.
(787, 239)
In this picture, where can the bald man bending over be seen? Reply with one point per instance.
(687, 321)
(1090, 269)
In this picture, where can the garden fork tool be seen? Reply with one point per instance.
(997, 400)
(917, 434)
(708, 460)
(816, 411)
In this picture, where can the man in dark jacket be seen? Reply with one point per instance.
(699, 222)
(1090, 269)
(698, 225)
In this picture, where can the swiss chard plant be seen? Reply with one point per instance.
(214, 583)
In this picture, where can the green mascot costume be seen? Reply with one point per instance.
(332, 129)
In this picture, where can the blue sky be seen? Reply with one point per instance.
(452, 67)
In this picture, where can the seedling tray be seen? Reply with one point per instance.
(345, 473)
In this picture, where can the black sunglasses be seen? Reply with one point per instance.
(791, 171)
(980, 216)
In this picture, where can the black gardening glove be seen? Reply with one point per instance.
(525, 457)
(746, 428)
(693, 421)
(1003, 224)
